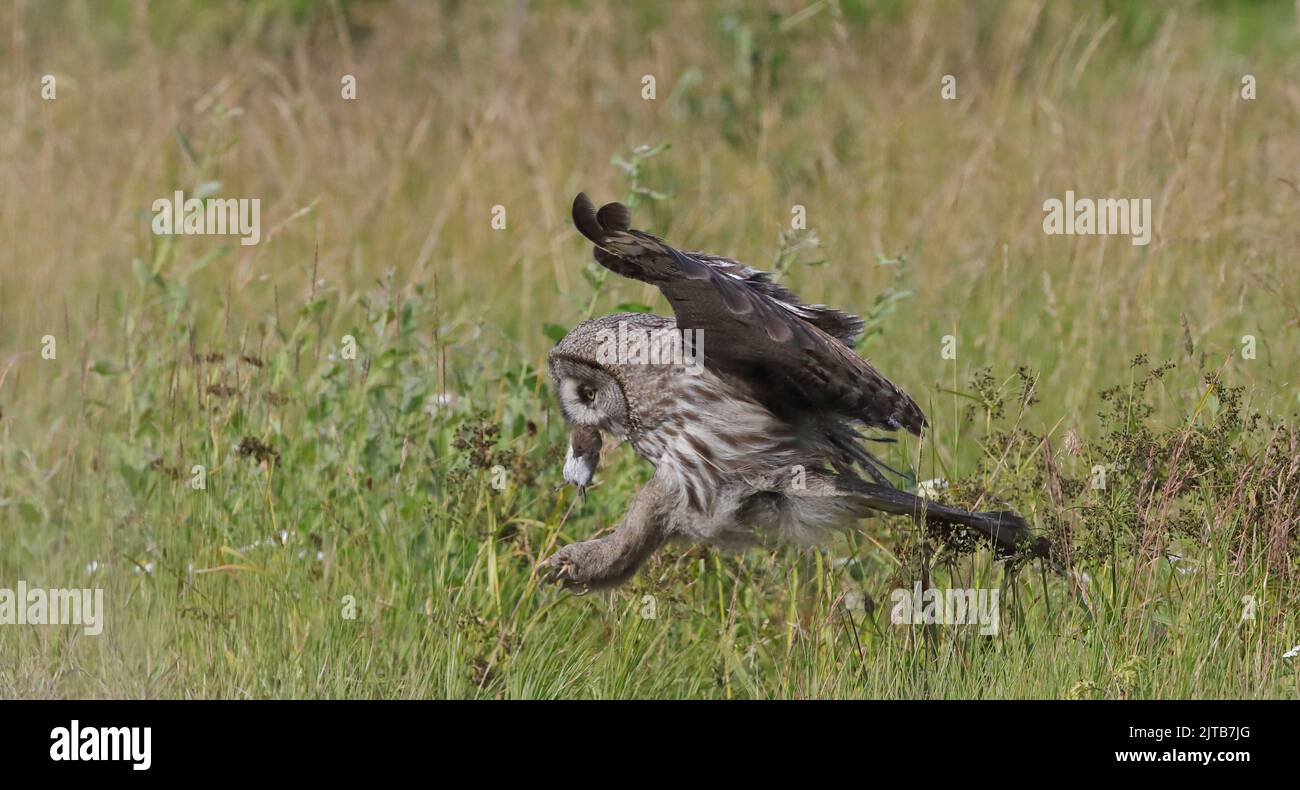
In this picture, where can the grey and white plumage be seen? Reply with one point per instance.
(762, 442)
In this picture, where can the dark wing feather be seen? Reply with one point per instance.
(796, 355)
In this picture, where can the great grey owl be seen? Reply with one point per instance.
(748, 404)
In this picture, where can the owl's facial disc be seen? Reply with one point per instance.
(589, 402)
(590, 396)
(577, 398)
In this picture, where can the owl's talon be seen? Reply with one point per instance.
(559, 569)
(564, 571)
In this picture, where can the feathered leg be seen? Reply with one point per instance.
(611, 560)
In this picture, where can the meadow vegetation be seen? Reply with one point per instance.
(368, 526)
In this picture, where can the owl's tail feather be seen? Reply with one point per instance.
(1008, 532)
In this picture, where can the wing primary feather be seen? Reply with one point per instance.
(585, 218)
(778, 330)
(736, 300)
(846, 439)
(614, 217)
(691, 268)
(759, 323)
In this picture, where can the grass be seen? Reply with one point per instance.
(368, 526)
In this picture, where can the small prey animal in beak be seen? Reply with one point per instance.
(582, 457)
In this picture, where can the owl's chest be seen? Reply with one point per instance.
(707, 437)
(651, 445)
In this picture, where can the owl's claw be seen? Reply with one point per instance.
(559, 569)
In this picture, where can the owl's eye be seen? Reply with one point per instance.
(587, 394)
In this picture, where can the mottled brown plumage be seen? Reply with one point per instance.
(752, 424)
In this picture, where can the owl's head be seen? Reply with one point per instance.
(590, 396)
(592, 381)
(592, 401)
(589, 377)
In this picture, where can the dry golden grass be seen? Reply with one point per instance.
(465, 106)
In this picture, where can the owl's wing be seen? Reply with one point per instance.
(794, 355)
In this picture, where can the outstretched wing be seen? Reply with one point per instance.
(793, 355)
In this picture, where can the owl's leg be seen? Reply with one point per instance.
(613, 559)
